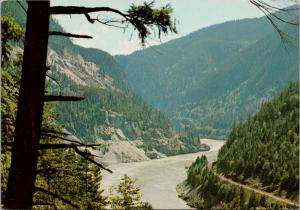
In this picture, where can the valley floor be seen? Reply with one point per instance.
(158, 178)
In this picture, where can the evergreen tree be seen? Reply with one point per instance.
(129, 196)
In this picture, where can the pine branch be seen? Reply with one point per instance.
(143, 18)
(62, 98)
(57, 33)
(39, 189)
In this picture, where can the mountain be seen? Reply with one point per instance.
(261, 153)
(110, 107)
(265, 148)
(216, 76)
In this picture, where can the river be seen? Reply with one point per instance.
(158, 178)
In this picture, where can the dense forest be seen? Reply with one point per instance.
(109, 103)
(107, 108)
(118, 99)
(64, 178)
(208, 79)
(208, 192)
(262, 152)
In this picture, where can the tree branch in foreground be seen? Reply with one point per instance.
(62, 98)
(60, 10)
(143, 18)
(57, 33)
(62, 138)
(85, 156)
(55, 132)
(270, 12)
(62, 146)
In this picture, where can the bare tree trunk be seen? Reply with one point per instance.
(22, 173)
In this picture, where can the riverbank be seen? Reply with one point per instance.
(158, 178)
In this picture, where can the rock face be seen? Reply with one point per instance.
(154, 154)
(78, 70)
(123, 140)
(98, 117)
(119, 149)
(111, 112)
(129, 129)
(124, 152)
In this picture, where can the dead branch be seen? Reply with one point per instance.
(84, 155)
(55, 132)
(85, 10)
(62, 138)
(54, 136)
(55, 80)
(62, 146)
(56, 33)
(62, 98)
(60, 10)
(270, 12)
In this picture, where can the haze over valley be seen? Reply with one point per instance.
(206, 120)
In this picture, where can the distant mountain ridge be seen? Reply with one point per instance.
(216, 76)
(110, 105)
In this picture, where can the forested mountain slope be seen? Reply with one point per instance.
(216, 76)
(265, 148)
(110, 107)
(66, 176)
(262, 152)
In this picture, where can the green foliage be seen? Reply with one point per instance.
(209, 82)
(12, 9)
(210, 190)
(10, 76)
(116, 106)
(87, 117)
(252, 201)
(266, 146)
(71, 178)
(10, 31)
(60, 172)
(191, 141)
(109, 108)
(212, 193)
(128, 196)
(144, 17)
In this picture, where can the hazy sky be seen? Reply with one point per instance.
(191, 14)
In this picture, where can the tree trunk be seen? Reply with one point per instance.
(22, 173)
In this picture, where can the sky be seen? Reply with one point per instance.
(191, 15)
